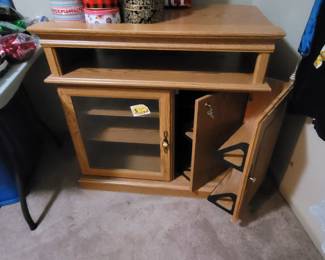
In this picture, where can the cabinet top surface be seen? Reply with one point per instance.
(210, 21)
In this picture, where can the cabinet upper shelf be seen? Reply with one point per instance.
(193, 80)
(213, 27)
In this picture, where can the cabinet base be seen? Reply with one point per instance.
(178, 187)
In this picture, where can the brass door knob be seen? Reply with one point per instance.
(165, 143)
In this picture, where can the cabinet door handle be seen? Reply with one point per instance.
(210, 111)
(165, 143)
(252, 179)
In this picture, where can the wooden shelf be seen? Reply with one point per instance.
(188, 173)
(189, 134)
(124, 157)
(216, 26)
(242, 135)
(116, 113)
(229, 183)
(127, 135)
(166, 79)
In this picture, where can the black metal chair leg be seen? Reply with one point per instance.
(23, 203)
(6, 141)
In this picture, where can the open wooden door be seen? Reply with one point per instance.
(268, 134)
(265, 135)
(216, 118)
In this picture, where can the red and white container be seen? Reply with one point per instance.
(67, 10)
(104, 4)
(102, 16)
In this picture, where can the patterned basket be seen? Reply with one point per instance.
(101, 3)
(143, 11)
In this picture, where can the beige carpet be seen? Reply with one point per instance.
(84, 224)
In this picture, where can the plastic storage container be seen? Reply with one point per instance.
(8, 190)
(67, 10)
(102, 16)
(101, 3)
(8, 3)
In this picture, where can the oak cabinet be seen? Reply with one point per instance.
(209, 117)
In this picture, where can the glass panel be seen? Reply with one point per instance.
(115, 138)
(124, 156)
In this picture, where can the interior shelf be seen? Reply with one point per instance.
(189, 134)
(188, 173)
(116, 113)
(226, 182)
(167, 79)
(124, 157)
(127, 135)
(242, 135)
(229, 182)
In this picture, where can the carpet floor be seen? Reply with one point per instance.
(87, 224)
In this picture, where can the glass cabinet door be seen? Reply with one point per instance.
(120, 133)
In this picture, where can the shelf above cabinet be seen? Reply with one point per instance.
(166, 79)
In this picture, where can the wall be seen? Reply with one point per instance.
(298, 161)
(33, 8)
(298, 158)
(42, 7)
(302, 183)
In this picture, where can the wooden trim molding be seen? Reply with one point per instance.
(53, 61)
(261, 65)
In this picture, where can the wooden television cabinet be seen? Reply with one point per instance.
(214, 116)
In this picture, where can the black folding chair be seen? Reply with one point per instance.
(21, 133)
